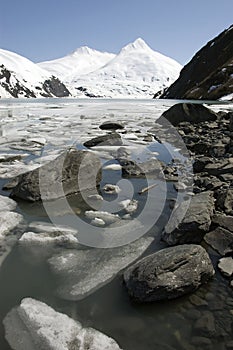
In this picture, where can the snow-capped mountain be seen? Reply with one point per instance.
(84, 60)
(19, 77)
(137, 71)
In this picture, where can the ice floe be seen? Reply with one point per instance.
(34, 325)
(81, 272)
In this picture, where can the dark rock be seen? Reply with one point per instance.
(169, 273)
(71, 172)
(111, 126)
(208, 76)
(54, 87)
(190, 222)
(205, 326)
(200, 163)
(112, 139)
(225, 221)
(188, 112)
(225, 201)
(221, 240)
(200, 341)
(132, 169)
(223, 166)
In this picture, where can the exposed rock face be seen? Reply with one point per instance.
(34, 325)
(71, 172)
(15, 87)
(196, 221)
(169, 273)
(54, 87)
(189, 112)
(208, 75)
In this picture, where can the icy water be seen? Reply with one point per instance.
(43, 128)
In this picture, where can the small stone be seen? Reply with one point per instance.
(111, 189)
(225, 265)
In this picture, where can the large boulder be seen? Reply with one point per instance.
(33, 325)
(71, 172)
(189, 222)
(189, 112)
(169, 273)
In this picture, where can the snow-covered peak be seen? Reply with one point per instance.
(84, 50)
(138, 45)
(81, 61)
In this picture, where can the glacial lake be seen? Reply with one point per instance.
(37, 129)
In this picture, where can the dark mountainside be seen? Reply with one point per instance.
(209, 75)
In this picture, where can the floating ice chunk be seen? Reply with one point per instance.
(41, 226)
(34, 325)
(81, 272)
(111, 189)
(112, 167)
(132, 206)
(54, 238)
(39, 140)
(8, 222)
(125, 203)
(108, 218)
(7, 204)
(96, 197)
(97, 222)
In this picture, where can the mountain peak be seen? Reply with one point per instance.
(138, 44)
(84, 50)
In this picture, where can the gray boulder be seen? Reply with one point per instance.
(189, 112)
(169, 273)
(71, 172)
(225, 201)
(195, 223)
(113, 139)
(221, 240)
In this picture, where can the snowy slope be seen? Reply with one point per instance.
(19, 77)
(137, 71)
(82, 61)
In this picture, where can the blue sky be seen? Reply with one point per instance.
(47, 29)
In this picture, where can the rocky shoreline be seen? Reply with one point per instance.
(180, 268)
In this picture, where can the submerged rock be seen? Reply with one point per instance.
(71, 172)
(169, 273)
(190, 222)
(34, 325)
(82, 272)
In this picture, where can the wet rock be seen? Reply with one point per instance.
(221, 240)
(111, 189)
(225, 265)
(108, 218)
(111, 126)
(205, 325)
(34, 325)
(132, 169)
(169, 273)
(71, 172)
(190, 222)
(189, 112)
(112, 139)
